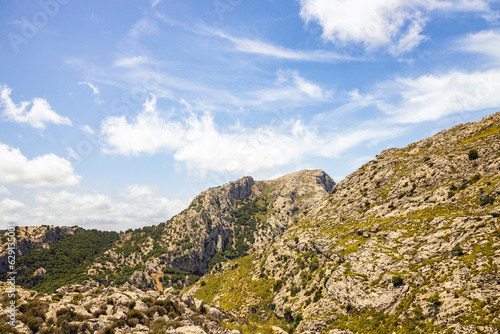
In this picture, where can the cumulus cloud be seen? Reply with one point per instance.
(9, 206)
(432, 97)
(198, 142)
(47, 170)
(93, 210)
(38, 116)
(396, 24)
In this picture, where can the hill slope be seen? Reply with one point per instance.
(221, 223)
(409, 243)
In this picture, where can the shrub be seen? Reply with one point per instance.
(131, 304)
(288, 314)
(473, 155)
(132, 322)
(314, 264)
(33, 323)
(134, 317)
(109, 330)
(475, 178)
(487, 200)
(317, 296)
(65, 314)
(457, 251)
(156, 309)
(434, 300)
(397, 280)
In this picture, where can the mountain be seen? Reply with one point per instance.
(221, 223)
(409, 243)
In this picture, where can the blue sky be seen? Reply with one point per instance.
(115, 114)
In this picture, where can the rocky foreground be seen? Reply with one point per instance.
(92, 308)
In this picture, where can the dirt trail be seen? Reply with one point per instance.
(156, 277)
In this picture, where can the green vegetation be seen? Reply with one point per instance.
(247, 218)
(397, 280)
(473, 155)
(178, 278)
(491, 130)
(434, 300)
(33, 313)
(66, 261)
(457, 250)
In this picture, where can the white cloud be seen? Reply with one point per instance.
(267, 49)
(131, 62)
(4, 190)
(9, 206)
(136, 191)
(94, 88)
(432, 97)
(38, 116)
(291, 87)
(144, 26)
(201, 145)
(485, 42)
(88, 130)
(91, 210)
(47, 170)
(396, 24)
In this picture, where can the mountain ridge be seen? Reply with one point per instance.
(408, 243)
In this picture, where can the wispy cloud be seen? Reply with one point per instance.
(486, 42)
(290, 87)
(94, 88)
(47, 170)
(432, 97)
(132, 61)
(38, 116)
(259, 47)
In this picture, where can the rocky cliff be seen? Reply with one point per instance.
(221, 223)
(409, 243)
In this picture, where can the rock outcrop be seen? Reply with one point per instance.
(92, 308)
